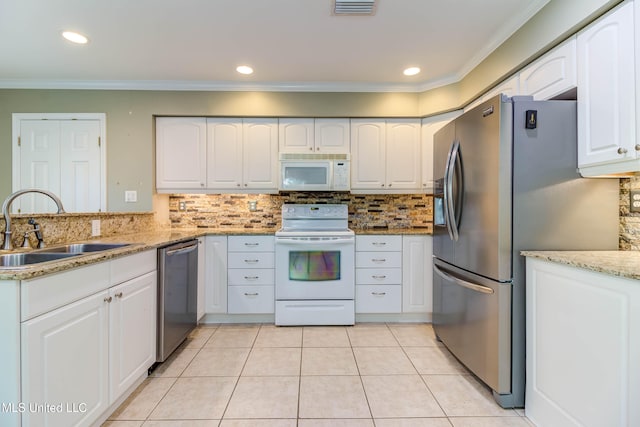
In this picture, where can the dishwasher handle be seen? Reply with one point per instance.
(181, 249)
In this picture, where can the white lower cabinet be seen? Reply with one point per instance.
(417, 277)
(583, 347)
(378, 274)
(215, 288)
(251, 275)
(81, 356)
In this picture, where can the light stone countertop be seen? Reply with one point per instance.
(152, 240)
(616, 263)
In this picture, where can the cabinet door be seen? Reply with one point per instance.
(295, 135)
(430, 126)
(215, 289)
(132, 332)
(64, 361)
(606, 102)
(332, 136)
(403, 154)
(224, 153)
(417, 285)
(509, 87)
(368, 154)
(552, 74)
(260, 154)
(180, 153)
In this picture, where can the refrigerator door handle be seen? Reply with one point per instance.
(464, 283)
(448, 191)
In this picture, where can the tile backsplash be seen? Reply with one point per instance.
(232, 210)
(629, 222)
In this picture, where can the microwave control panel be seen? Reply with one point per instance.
(341, 176)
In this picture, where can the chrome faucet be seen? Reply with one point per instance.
(7, 244)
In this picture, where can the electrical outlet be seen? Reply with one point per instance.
(634, 201)
(95, 227)
(130, 196)
(182, 206)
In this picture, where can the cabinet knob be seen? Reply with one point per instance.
(311, 148)
(637, 147)
(108, 299)
(238, 185)
(381, 185)
(389, 185)
(202, 184)
(317, 148)
(246, 185)
(118, 295)
(622, 150)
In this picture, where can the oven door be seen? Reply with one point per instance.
(309, 268)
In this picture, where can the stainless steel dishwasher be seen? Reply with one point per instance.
(177, 295)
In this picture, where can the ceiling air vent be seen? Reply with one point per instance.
(354, 7)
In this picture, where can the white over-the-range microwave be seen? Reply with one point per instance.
(314, 172)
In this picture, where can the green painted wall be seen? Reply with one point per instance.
(130, 143)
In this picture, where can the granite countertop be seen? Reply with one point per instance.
(153, 240)
(616, 263)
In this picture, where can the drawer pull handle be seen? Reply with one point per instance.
(251, 244)
(378, 294)
(251, 277)
(108, 299)
(251, 294)
(379, 243)
(251, 261)
(118, 295)
(381, 277)
(378, 260)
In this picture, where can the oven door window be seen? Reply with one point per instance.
(314, 266)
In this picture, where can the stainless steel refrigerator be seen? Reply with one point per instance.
(506, 180)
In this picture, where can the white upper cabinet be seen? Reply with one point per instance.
(224, 153)
(552, 74)
(181, 147)
(385, 156)
(260, 154)
(607, 94)
(304, 135)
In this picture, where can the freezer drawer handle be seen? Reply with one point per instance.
(468, 285)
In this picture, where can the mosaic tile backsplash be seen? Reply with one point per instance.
(629, 222)
(365, 211)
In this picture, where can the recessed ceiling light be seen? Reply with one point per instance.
(75, 37)
(244, 69)
(411, 71)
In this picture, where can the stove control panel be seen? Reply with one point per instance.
(329, 211)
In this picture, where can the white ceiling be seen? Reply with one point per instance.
(291, 44)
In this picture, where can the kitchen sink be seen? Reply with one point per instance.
(80, 248)
(28, 258)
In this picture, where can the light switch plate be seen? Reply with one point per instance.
(130, 196)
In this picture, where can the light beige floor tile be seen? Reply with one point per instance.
(371, 336)
(463, 395)
(259, 423)
(279, 336)
(393, 396)
(122, 424)
(328, 361)
(264, 397)
(217, 362)
(335, 423)
(418, 335)
(233, 337)
(269, 361)
(325, 336)
(412, 422)
(434, 360)
(176, 363)
(489, 422)
(195, 398)
(382, 361)
(332, 397)
(141, 402)
(181, 423)
(198, 337)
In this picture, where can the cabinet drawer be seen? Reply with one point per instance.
(251, 260)
(251, 299)
(252, 276)
(378, 243)
(378, 299)
(130, 266)
(378, 259)
(378, 276)
(251, 243)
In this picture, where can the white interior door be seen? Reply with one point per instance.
(80, 167)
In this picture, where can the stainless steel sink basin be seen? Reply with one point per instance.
(79, 248)
(28, 258)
